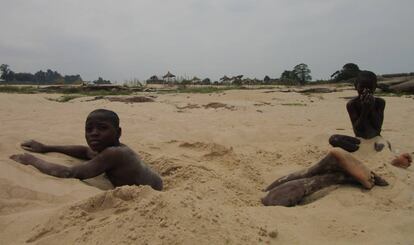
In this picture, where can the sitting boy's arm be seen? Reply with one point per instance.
(358, 120)
(377, 115)
(78, 151)
(98, 165)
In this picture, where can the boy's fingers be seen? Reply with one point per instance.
(378, 180)
(15, 157)
(27, 148)
(25, 144)
(409, 158)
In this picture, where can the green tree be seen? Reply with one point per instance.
(206, 81)
(71, 79)
(266, 79)
(288, 75)
(4, 69)
(348, 71)
(302, 72)
(40, 77)
(101, 81)
(6, 74)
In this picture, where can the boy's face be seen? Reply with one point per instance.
(100, 133)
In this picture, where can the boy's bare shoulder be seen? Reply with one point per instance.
(379, 101)
(352, 102)
(117, 151)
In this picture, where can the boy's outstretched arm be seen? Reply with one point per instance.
(78, 151)
(98, 165)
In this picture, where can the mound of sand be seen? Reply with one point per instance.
(214, 164)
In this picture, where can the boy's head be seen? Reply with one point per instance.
(102, 129)
(366, 81)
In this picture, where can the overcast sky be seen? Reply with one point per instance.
(127, 39)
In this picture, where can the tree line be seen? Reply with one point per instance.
(40, 77)
(299, 75)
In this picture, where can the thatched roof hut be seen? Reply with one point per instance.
(153, 78)
(169, 75)
(195, 79)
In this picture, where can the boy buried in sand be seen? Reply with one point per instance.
(105, 154)
(366, 113)
(338, 167)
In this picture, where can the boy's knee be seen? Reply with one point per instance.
(334, 140)
(337, 152)
(347, 143)
(158, 184)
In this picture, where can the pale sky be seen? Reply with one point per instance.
(126, 39)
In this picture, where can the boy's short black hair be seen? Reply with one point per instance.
(111, 116)
(367, 77)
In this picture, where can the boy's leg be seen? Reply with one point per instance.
(335, 161)
(353, 167)
(325, 165)
(291, 193)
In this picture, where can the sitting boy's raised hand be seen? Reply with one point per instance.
(34, 146)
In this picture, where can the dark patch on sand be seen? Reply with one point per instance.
(188, 106)
(317, 90)
(134, 99)
(216, 105)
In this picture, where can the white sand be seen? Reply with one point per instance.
(214, 164)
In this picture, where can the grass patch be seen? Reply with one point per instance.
(294, 104)
(389, 94)
(18, 89)
(66, 98)
(198, 90)
(69, 92)
(210, 89)
(62, 90)
(85, 92)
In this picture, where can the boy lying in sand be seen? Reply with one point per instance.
(338, 167)
(366, 113)
(105, 154)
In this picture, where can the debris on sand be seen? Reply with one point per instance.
(317, 90)
(134, 99)
(188, 106)
(216, 105)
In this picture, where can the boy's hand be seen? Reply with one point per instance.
(34, 146)
(25, 158)
(368, 100)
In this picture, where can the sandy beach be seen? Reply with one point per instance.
(215, 160)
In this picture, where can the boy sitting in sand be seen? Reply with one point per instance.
(338, 167)
(105, 154)
(365, 111)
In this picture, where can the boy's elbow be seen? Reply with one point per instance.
(63, 173)
(158, 184)
(73, 173)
